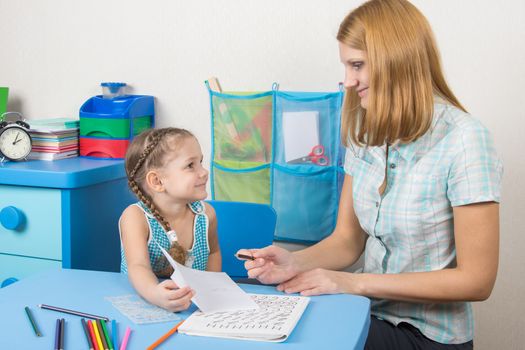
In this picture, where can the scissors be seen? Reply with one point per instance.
(316, 156)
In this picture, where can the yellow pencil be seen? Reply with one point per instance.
(97, 335)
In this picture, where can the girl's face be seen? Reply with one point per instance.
(356, 71)
(183, 176)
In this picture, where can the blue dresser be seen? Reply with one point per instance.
(60, 213)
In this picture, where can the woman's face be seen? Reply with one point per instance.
(356, 71)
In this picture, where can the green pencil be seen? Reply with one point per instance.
(106, 334)
(33, 323)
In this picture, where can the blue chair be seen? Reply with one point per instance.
(242, 225)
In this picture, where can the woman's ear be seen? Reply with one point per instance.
(154, 182)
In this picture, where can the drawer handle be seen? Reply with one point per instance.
(8, 281)
(12, 218)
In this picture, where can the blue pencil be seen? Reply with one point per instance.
(62, 331)
(114, 333)
(57, 335)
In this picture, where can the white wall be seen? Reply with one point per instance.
(54, 53)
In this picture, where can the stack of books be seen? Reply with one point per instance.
(53, 139)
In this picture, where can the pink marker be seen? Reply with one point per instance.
(126, 339)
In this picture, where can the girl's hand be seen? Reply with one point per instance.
(316, 282)
(168, 296)
(271, 264)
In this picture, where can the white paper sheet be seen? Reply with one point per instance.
(214, 291)
(300, 133)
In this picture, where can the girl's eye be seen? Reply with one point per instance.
(190, 165)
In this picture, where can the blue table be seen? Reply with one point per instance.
(329, 322)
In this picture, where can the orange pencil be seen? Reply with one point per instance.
(165, 336)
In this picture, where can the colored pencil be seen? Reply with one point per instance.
(99, 341)
(114, 334)
(33, 323)
(72, 312)
(57, 335)
(125, 339)
(101, 332)
(92, 334)
(106, 334)
(62, 331)
(86, 332)
(165, 336)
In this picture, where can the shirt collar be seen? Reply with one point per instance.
(408, 150)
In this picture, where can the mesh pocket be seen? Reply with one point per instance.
(241, 182)
(242, 127)
(306, 202)
(303, 121)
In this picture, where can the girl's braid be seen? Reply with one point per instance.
(162, 267)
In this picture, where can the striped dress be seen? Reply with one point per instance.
(197, 255)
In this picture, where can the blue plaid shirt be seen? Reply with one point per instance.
(410, 227)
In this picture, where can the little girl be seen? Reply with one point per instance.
(164, 168)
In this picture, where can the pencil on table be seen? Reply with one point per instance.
(86, 332)
(72, 312)
(101, 333)
(125, 339)
(114, 333)
(106, 334)
(165, 336)
(95, 330)
(93, 336)
(62, 331)
(33, 323)
(57, 335)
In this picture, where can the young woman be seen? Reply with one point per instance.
(420, 195)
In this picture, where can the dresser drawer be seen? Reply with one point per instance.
(39, 230)
(16, 267)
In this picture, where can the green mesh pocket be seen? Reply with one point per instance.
(241, 181)
(242, 128)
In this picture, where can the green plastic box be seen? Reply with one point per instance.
(113, 127)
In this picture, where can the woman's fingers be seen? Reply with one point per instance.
(295, 285)
(265, 253)
(312, 282)
(256, 272)
(313, 291)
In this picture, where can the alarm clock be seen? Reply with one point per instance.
(15, 140)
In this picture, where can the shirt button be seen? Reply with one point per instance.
(392, 166)
(377, 204)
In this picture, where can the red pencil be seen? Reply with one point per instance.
(92, 334)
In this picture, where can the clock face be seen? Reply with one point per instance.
(15, 143)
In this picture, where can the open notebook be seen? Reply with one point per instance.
(273, 322)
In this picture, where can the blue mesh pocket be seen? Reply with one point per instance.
(305, 198)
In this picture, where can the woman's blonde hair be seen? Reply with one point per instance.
(404, 69)
(149, 151)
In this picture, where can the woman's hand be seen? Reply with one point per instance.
(168, 296)
(316, 282)
(271, 264)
